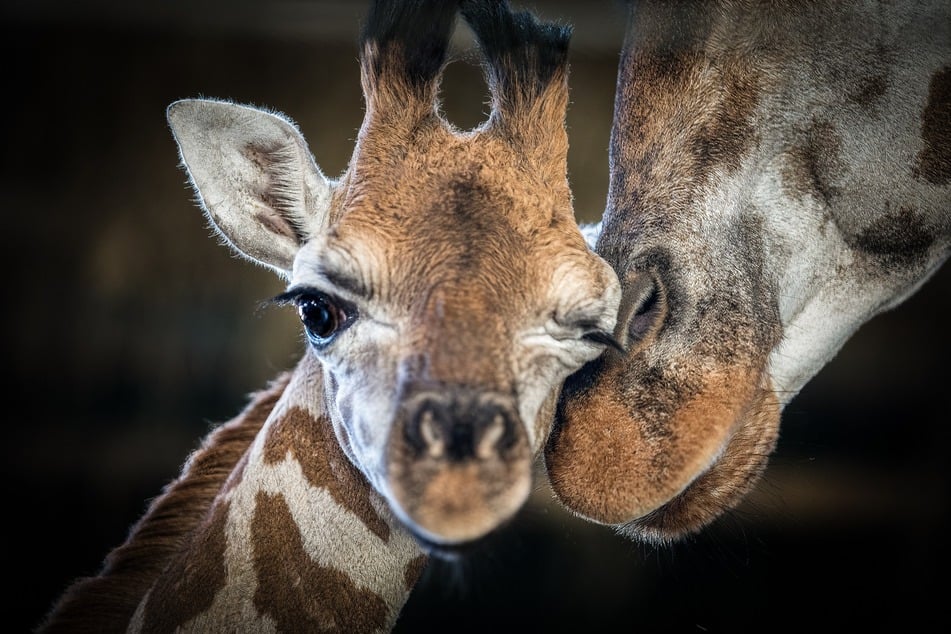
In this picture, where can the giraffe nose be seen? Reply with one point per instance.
(458, 463)
(459, 425)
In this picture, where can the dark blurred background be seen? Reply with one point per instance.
(130, 331)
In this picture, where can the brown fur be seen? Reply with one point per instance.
(414, 571)
(176, 599)
(290, 583)
(897, 239)
(809, 161)
(303, 437)
(725, 483)
(934, 161)
(664, 444)
(105, 603)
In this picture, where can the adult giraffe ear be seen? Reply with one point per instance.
(253, 176)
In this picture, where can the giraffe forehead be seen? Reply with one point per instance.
(491, 238)
(442, 170)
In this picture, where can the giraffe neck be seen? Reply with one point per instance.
(268, 528)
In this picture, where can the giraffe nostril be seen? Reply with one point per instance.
(488, 446)
(458, 428)
(432, 435)
(643, 308)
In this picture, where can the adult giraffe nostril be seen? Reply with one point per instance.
(643, 307)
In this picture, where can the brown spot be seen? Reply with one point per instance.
(870, 91)
(811, 164)
(294, 590)
(194, 578)
(899, 238)
(934, 160)
(313, 444)
(414, 569)
(727, 131)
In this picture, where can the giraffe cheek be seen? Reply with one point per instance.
(619, 456)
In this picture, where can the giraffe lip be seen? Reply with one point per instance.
(449, 551)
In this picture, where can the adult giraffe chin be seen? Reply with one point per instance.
(779, 176)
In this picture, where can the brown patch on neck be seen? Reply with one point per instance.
(312, 443)
(934, 160)
(294, 590)
(870, 91)
(193, 580)
(414, 570)
(106, 603)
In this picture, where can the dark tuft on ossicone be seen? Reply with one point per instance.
(417, 32)
(522, 53)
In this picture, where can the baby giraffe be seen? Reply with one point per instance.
(445, 291)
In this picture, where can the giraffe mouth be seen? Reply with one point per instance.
(451, 508)
(615, 464)
(723, 484)
(450, 552)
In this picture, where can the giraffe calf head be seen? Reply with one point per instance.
(442, 281)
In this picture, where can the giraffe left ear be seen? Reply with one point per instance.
(254, 178)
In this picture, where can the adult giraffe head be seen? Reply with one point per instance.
(779, 175)
(442, 281)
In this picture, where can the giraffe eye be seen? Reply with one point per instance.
(322, 317)
(322, 314)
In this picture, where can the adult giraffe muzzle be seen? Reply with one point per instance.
(779, 175)
(444, 287)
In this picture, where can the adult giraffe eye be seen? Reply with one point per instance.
(321, 317)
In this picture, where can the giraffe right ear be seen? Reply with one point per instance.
(254, 178)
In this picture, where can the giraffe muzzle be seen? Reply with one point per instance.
(459, 463)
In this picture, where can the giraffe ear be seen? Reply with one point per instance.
(253, 176)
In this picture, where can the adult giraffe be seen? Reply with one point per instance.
(445, 291)
(779, 175)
